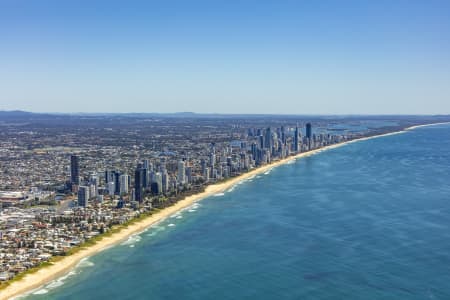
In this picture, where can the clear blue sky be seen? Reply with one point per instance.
(280, 56)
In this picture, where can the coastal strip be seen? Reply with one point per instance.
(66, 264)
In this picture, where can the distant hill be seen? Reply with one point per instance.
(20, 114)
(15, 113)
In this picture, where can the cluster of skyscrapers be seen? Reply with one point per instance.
(261, 146)
(281, 142)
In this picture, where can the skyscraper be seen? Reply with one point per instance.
(203, 166)
(268, 139)
(308, 130)
(93, 183)
(157, 187)
(74, 170)
(83, 196)
(188, 177)
(138, 184)
(296, 148)
(181, 172)
(146, 164)
(206, 175)
(117, 182)
(254, 149)
(261, 141)
(145, 178)
(212, 156)
(111, 188)
(123, 179)
(109, 176)
(165, 181)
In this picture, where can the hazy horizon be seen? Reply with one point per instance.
(217, 113)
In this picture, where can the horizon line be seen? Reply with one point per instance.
(222, 114)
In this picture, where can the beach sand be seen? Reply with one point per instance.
(62, 267)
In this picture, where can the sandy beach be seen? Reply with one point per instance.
(62, 267)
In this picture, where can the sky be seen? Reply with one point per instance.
(270, 57)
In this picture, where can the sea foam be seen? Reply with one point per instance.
(85, 263)
(40, 292)
(132, 240)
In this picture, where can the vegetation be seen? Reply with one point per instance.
(21, 275)
(158, 203)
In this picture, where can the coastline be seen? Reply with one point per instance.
(45, 275)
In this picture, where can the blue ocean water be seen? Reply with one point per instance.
(369, 220)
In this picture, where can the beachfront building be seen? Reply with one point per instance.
(296, 143)
(139, 184)
(123, 180)
(181, 172)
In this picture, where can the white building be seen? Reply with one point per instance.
(123, 181)
(111, 188)
(181, 172)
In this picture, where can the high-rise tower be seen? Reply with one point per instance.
(83, 196)
(268, 143)
(138, 184)
(123, 180)
(181, 172)
(296, 146)
(308, 130)
(74, 170)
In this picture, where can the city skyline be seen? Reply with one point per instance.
(224, 149)
(361, 57)
(69, 181)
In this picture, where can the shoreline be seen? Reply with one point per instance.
(62, 267)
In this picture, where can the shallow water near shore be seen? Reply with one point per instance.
(369, 220)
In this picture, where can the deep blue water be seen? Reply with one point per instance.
(370, 220)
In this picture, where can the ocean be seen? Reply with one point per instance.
(369, 220)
